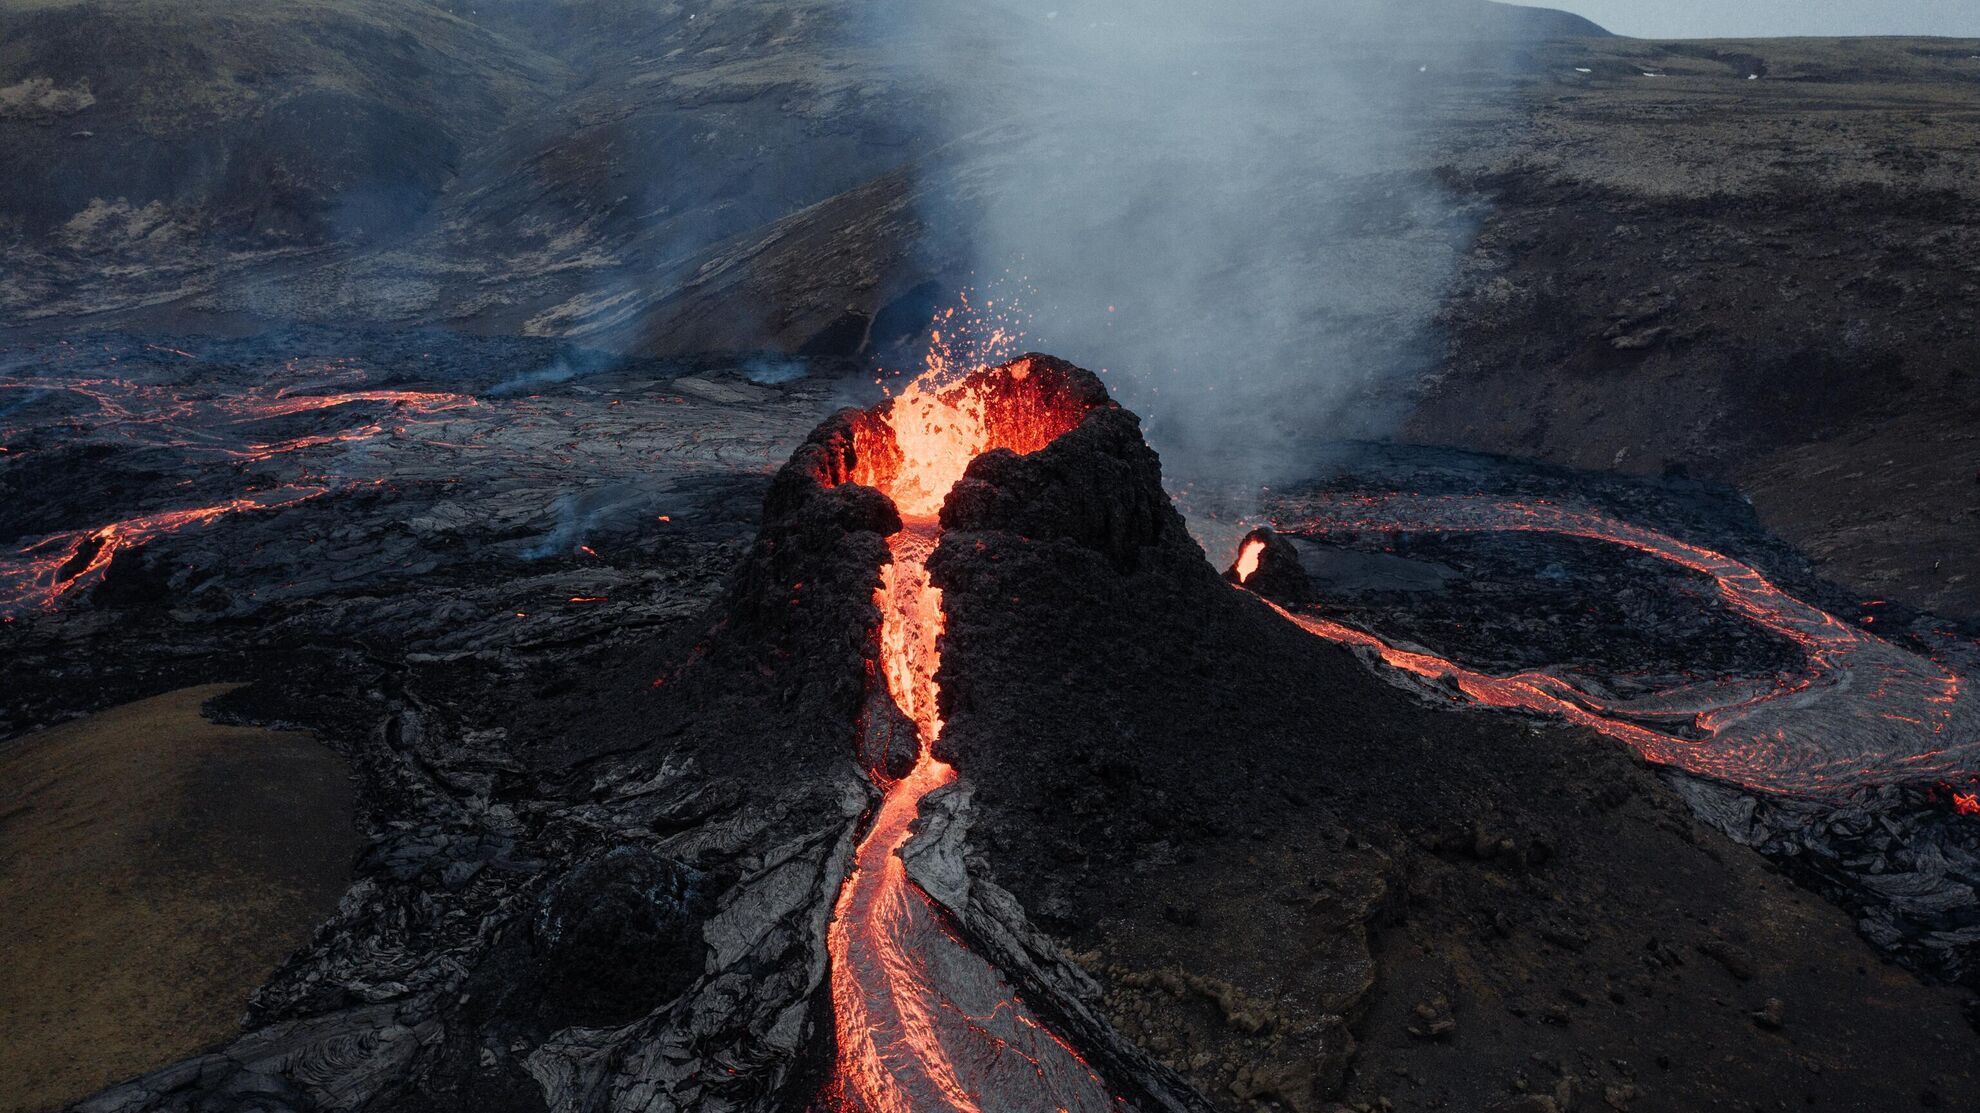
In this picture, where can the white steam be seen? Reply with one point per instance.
(1228, 206)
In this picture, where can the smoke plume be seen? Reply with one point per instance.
(1230, 207)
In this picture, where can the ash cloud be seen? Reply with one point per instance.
(1228, 207)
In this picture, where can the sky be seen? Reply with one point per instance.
(1699, 19)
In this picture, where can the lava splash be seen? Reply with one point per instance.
(1862, 711)
(924, 1023)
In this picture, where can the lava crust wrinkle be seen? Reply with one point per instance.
(1123, 776)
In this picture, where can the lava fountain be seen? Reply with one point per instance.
(924, 1023)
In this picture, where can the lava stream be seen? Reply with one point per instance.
(925, 1024)
(43, 571)
(1864, 711)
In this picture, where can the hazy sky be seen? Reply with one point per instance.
(1697, 19)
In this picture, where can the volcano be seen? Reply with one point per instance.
(460, 655)
(978, 787)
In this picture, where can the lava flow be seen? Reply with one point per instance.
(41, 573)
(130, 413)
(1864, 711)
(924, 1023)
(134, 412)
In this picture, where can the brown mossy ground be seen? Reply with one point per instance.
(154, 868)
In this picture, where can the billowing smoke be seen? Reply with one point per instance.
(565, 367)
(1228, 206)
(580, 512)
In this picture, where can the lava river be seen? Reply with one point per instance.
(133, 414)
(43, 571)
(1862, 711)
(923, 1022)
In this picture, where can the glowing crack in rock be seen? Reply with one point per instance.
(262, 435)
(39, 574)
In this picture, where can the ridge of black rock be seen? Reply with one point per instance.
(1296, 882)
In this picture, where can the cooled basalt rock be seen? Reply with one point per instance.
(1051, 982)
(632, 914)
(617, 933)
(1098, 487)
(627, 914)
(1187, 790)
(1218, 856)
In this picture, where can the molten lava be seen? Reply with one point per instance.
(1248, 557)
(1864, 711)
(924, 1023)
(41, 573)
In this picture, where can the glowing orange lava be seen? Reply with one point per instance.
(886, 1032)
(1248, 557)
(1864, 710)
(42, 572)
(923, 1023)
(166, 415)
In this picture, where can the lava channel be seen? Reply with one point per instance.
(924, 1023)
(40, 573)
(1862, 712)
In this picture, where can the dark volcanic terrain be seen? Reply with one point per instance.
(1276, 860)
(465, 384)
(1756, 267)
(1748, 260)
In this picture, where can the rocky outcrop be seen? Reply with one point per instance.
(1296, 883)
(1274, 573)
(627, 918)
(1097, 488)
